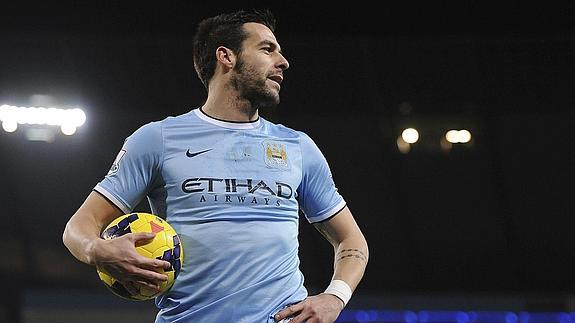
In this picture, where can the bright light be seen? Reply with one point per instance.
(74, 117)
(9, 126)
(68, 130)
(458, 136)
(452, 136)
(67, 119)
(464, 136)
(410, 135)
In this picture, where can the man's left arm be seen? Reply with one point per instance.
(350, 259)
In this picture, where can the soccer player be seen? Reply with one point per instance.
(231, 185)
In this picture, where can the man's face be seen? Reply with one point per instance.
(259, 68)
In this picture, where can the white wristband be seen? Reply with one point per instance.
(340, 289)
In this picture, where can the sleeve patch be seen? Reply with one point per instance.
(116, 164)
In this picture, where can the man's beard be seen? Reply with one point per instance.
(252, 87)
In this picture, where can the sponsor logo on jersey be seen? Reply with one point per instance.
(233, 190)
(191, 154)
(233, 185)
(276, 155)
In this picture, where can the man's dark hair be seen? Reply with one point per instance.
(224, 30)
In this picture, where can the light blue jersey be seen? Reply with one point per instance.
(232, 191)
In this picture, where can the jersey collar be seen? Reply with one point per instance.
(227, 124)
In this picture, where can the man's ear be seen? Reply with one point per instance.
(225, 56)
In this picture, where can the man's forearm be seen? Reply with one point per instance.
(350, 261)
(351, 253)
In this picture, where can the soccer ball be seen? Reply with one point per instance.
(165, 246)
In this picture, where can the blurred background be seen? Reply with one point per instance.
(447, 126)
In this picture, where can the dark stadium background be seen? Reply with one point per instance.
(488, 225)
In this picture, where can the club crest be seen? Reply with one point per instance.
(276, 154)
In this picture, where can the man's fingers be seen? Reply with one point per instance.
(144, 284)
(162, 264)
(152, 266)
(156, 264)
(289, 311)
(141, 238)
(149, 275)
(299, 319)
(134, 287)
(133, 290)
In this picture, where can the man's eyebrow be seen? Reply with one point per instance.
(271, 44)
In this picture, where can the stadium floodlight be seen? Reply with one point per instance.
(67, 119)
(9, 125)
(410, 135)
(458, 136)
(464, 136)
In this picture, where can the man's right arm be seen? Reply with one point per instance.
(83, 229)
(118, 257)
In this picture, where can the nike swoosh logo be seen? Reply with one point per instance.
(190, 154)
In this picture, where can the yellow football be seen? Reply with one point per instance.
(166, 246)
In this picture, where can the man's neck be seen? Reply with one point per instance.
(230, 110)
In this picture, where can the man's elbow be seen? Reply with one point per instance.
(66, 235)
